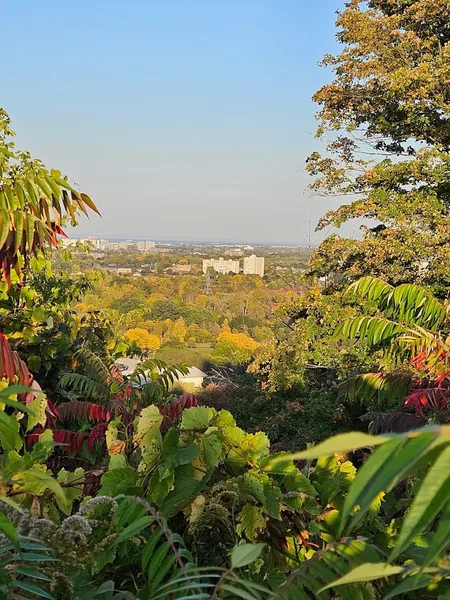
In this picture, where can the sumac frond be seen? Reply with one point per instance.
(173, 410)
(433, 398)
(98, 434)
(398, 421)
(84, 410)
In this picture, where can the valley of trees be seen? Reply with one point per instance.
(315, 462)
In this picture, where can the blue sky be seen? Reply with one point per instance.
(183, 119)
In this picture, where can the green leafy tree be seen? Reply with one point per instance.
(387, 113)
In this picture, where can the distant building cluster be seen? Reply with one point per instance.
(238, 250)
(145, 246)
(104, 245)
(253, 265)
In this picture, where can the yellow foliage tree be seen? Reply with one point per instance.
(177, 331)
(234, 348)
(144, 339)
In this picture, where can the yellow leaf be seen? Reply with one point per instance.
(116, 447)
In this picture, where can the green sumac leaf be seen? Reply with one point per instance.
(245, 554)
(133, 529)
(365, 572)
(386, 467)
(33, 589)
(342, 443)
(430, 499)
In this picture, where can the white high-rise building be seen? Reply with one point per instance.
(254, 265)
(99, 244)
(221, 265)
(145, 246)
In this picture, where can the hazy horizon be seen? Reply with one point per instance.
(181, 120)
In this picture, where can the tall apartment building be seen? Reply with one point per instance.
(254, 265)
(99, 244)
(145, 246)
(221, 265)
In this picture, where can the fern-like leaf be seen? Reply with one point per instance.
(83, 410)
(82, 385)
(410, 304)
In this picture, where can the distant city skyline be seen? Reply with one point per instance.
(75, 235)
(182, 120)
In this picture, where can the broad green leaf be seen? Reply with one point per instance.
(122, 480)
(9, 433)
(245, 554)
(272, 500)
(149, 421)
(365, 572)
(197, 417)
(254, 486)
(224, 419)
(297, 482)
(74, 482)
(174, 455)
(105, 588)
(433, 495)
(38, 482)
(38, 415)
(255, 447)
(186, 488)
(117, 461)
(212, 449)
(159, 489)
(151, 445)
(112, 432)
(251, 522)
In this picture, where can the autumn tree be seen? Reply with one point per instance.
(144, 340)
(176, 331)
(385, 118)
(234, 348)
